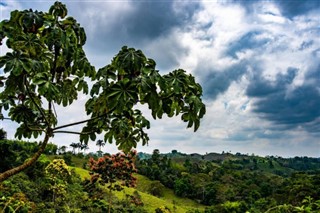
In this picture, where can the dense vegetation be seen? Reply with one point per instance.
(60, 182)
(245, 182)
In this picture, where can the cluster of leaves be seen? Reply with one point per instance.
(115, 171)
(57, 170)
(58, 173)
(132, 79)
(46, 61)
(17, 203)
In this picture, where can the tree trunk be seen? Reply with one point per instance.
(5, 175)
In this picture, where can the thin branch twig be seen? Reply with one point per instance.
(34, 102)
(77, 123)
(72, 132)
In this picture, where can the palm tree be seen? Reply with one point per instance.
(100, 143)
(62, 149)
(74, 146)
(84, 147)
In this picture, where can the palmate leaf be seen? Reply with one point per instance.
(28, 43)
(22, 113)
(107, 72)
(58, 9)
(41, 78)
(16, 62)
(50, 91)
(129, 61)
(122, 95)
(68, 93)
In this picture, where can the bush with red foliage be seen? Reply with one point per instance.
(114, 170)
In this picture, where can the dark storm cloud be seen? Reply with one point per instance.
(144, 22)
(259, 87)
(152, 19)
(217, 82)
(291, 9)
(298, 107)
(247, 41)
(288, 8)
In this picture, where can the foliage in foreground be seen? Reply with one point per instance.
(46, 66)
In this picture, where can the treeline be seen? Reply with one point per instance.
(239, 182)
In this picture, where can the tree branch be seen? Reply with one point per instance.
(5, 175)
(77, 123)
(35, 129)
(72, 132)
(34, 102)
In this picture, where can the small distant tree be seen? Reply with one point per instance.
(46, 66)
(156, 188)
(83, 147)
(100, 143)
(62, 150)
(74, 146)
(155, 155)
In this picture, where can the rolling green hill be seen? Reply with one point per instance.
(168, 198)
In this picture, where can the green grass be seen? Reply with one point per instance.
(144, 183)
(82, 172)
(169, 199)
(76, 161)
(151, 202)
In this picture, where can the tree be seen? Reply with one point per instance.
(62, 150)
(47, 66)
(115, 171)
(58, 173)
(74, 146)
(3, 134)
(84, 147)
(100, 143)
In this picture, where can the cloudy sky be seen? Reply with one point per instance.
(258, 63)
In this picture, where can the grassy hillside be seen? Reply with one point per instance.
(250, 182)
(169, 199)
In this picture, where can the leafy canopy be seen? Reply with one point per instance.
(47, 66)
